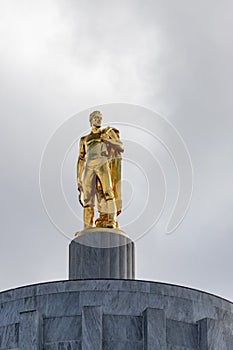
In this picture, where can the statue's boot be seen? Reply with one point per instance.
(107, 218)
(111, 223)
(88, 217)
(102, 220)
(111, 205)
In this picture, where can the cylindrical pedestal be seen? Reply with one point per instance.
(101, 253)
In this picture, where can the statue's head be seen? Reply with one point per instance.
(96, 119)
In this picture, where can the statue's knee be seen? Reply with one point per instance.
(109, 195)
(88, 201)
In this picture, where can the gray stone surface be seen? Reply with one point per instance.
(154, 328)
(9, 336)
(113, 314)
(62, 329)
(92, 328)
(181, 334)
(215, 335)
(121, 328)
(30, 330)
(101, 253)
(122, 345)
(64, 345)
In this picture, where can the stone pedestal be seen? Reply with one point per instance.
(101, 253)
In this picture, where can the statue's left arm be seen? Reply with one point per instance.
(112, 137)
(115, 147)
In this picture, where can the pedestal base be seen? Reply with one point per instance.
(101, 253)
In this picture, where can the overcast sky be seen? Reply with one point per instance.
(58, 58)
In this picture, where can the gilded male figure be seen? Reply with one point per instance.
(99, 174)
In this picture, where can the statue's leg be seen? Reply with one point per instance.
(101, 205)
(88, 197)
(104, 176)
(111, 213)
(88, 217)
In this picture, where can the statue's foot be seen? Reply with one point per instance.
(107, 221)
(111, 225)
(106, 224)
(100, 222)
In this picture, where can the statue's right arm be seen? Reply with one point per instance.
(81, 163)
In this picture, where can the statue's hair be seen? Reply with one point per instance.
(93, 114)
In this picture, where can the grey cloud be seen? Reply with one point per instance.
(58, 58)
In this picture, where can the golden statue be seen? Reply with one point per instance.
(99, 174)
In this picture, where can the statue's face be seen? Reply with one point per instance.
(96, 120)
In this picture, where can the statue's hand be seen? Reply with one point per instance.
(104, 137)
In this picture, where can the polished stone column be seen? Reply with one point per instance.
(101, 253)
